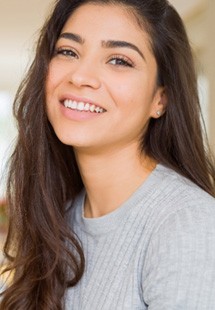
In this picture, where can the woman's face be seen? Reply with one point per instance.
(101, 85)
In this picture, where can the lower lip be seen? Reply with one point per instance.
(78, 115)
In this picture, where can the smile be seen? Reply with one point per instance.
(82, 106)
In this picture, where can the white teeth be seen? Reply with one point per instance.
(81, 106)
(66, 103)
(87, 107)
(92, 108)
(73, 105)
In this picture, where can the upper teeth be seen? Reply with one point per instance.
(82, 106)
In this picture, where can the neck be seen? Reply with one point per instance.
(111, 178)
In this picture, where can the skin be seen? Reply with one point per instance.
(121, 80)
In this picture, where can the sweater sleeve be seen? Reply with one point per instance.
(179, 270)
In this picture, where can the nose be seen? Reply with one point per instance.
(85, 74)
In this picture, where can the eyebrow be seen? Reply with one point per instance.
(105, 44)
(113, 44)
(72, 36)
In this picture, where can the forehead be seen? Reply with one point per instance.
(117, 20)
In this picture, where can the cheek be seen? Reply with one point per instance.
(132, 85)
(54, 77)
(131, 94)
(50, 82)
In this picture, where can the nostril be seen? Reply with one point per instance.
(84, 79)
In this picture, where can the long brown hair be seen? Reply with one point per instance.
(41, 248)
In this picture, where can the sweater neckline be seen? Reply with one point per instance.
(109, 222)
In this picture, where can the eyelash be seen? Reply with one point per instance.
(67, 52)
(122, 60)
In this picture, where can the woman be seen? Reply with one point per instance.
(110, 188)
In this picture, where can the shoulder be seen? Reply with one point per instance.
(178, 192)
(184, 217)
(175, 185)
(179, 267)
(175, 199)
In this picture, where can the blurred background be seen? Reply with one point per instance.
(20, 22)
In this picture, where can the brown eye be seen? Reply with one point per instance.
(66, 52)
(120, 61)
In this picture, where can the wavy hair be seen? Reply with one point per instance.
(41, 247)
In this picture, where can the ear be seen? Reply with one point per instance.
(159, 103)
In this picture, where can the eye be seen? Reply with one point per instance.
(67, 52)
(121, 61)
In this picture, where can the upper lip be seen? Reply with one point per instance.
(80, 99)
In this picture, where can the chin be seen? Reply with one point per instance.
(73, 140)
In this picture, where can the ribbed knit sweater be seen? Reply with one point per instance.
(156, 251)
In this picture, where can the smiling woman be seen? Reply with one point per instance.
(94, 64)
(111, 191)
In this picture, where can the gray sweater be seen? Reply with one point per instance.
(156, 251)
